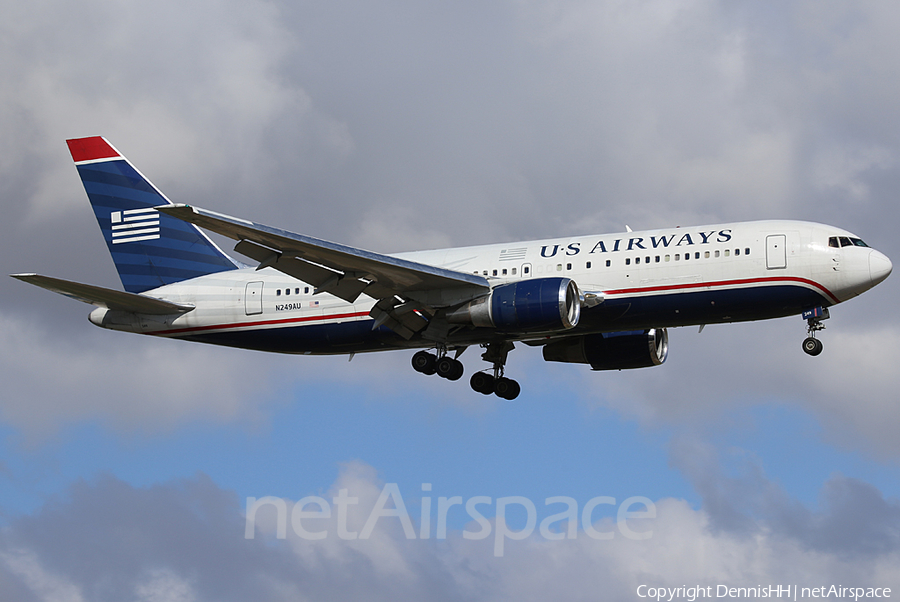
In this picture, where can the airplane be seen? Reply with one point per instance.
(601, 300)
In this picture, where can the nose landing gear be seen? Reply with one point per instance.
(814, 317)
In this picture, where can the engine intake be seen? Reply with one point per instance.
(542, 304)
(612, 351)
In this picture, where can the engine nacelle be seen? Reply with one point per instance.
(537, 305)
(612, 351)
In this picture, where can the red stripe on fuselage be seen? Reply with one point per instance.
(722, 283)
(262, 323)
(91, 149)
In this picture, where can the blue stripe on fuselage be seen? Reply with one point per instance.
(623, 313)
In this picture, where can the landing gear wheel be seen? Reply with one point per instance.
(506, 388)
(424, 362)
(482, 382)
(449, 368)
(812, 346)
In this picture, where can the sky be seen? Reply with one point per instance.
(141, 469)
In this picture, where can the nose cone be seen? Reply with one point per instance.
(879, 267)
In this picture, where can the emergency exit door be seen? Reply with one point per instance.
(253, 298)
(776, 251)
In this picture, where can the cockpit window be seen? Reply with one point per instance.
(845, 241)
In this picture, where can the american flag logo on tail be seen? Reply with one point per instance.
(134, 225)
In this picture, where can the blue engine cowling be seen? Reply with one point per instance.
(613, 350)
(538, 305)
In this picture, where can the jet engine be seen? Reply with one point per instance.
(613, 350)
(538, 305)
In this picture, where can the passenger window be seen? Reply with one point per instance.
(747, 251)
(588, 265)
(637, 260)
(278, 293)
(677, 256)
(628, 261)
(287, 291)
(568, 266)
(504, 271)
(526, 269)
(608, 263)
(657, 259)
(296, 291)
(646, 260)
(737, 252)
(495, 272)
(687, 256)
(727, 252)
(706, 255)
(514, 271)
(717, 253)
(559, 267)
(667, 257)
(697, 255)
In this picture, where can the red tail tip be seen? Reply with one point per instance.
(91, 149)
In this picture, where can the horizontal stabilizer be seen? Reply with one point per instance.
(105, 297)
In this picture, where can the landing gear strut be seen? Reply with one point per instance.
(487, 383)
(814, 317)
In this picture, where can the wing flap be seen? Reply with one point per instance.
(105, 297)
(346, 285)
(338, 269)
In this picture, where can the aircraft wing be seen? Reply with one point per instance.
(341, 270)
(105, 297)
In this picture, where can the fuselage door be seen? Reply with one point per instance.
(526, 270)
(776, 252)
(253, 298)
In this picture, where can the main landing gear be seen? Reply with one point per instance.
(485, 382)
(814, 317)
(442, 365)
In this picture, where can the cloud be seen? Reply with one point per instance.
(27, 579)
(200, 99)
(185, 540)
(144, 386)
(403, 125)
(849, 388)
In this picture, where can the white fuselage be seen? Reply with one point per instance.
(669, 277)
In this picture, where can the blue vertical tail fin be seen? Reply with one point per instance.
(150, 249)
